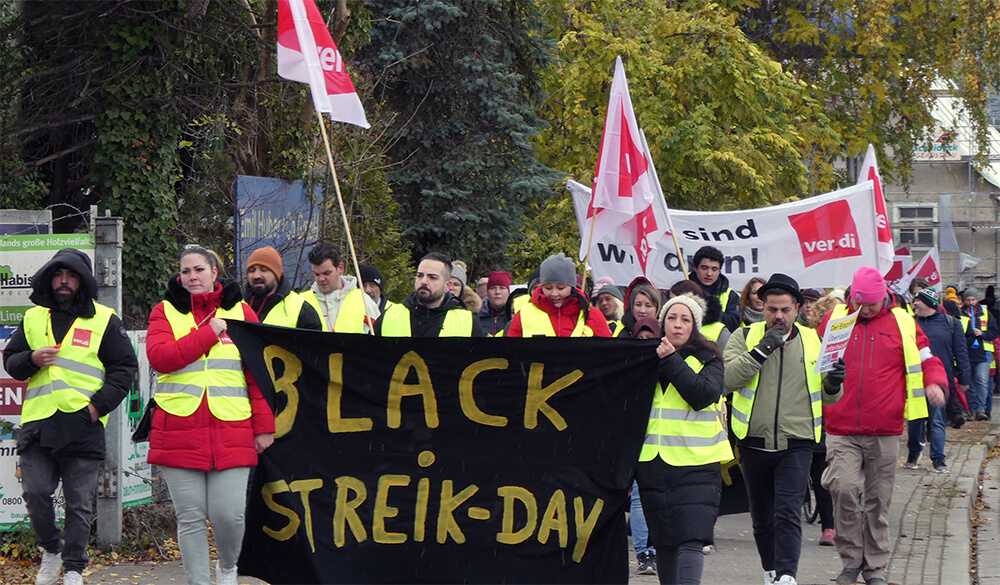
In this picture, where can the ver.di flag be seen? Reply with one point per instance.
(623, 190)
(869, 172)
(928, 268)
(307, 54)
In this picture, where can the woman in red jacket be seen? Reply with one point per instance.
(558, 308)
(211, 420)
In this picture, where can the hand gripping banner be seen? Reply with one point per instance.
(444, 460)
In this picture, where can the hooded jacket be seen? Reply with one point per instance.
(731, 315)
(73, 433)
(564, 317)
(427, 321)
(201, 441)
(947, 340)
(329, 304)
(308, 317)
(875, 386)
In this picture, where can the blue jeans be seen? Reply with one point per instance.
(637, 521)
(977, 393)
(40, 474)
(935, 433)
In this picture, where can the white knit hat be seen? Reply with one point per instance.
(695, 304)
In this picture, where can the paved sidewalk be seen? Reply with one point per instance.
(930, 525)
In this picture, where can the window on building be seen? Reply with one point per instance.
(916, 237)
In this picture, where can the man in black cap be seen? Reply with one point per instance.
(777, 417)
(371, 280)
(79, 365)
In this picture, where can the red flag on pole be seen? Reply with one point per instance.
(307, 54)
(869, 171)
(623, 190)
(928, 268)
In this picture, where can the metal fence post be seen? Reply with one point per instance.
(108, 236)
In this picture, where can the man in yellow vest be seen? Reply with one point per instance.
(777, 417)
(79, 365)
(338, 297)
(984, 333)
(891, 377)
(271, 296)
(707, 272)
(430, 310)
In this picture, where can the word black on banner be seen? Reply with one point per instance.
(444, 460)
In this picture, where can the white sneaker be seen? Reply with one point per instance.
(769, 577)
(72, 578)
(224, 576)
(48, 572)
(785, 580)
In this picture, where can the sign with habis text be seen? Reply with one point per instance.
(450, 460)
(819, 241)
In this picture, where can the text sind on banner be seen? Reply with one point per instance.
(820, 241)
(444, 460)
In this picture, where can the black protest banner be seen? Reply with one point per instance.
(444, 460)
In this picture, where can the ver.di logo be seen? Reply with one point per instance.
(826, 233)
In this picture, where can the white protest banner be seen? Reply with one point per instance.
(819, 241)
(838, 333)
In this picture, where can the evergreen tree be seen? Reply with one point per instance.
(460, 79)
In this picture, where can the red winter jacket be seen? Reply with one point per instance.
(875, 387)
(201, 441)
(564, 318)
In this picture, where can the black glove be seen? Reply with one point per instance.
(772, 339)
(835, 377)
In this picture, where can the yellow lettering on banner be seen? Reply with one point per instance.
(334, 394)
(383, 510)
(284, 420)
(468, 401)
(535, 402)
(268, 492)
(555, 518)
(303, 487)
(420, 516)
(584, 526)
(511, 494)
(449, 503)
(398, 388)
(347, 511)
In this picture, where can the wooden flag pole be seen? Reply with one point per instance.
(343, 214)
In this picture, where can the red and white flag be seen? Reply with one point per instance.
(623, 189)
(869, 172)
(902, 263)
(307, 54)
(928, 268)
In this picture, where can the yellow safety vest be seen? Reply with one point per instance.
(743, 400)
(916, 398)
(535, 321)
(77, 374)
(987, 345)
(682, 436)
(350, 317)
(712, 331)
(286, 313)
(220, 373)
(396, 322)
(618, 328)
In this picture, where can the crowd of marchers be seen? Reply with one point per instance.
(737, 384)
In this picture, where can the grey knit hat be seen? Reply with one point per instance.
(558, 269)
(459, 273)
(695, 304)
(971, 292)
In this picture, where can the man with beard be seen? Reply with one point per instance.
(777, 418)
(430, 310)
(271, 296)
(341, 302)
(79, 365)
(707, 272)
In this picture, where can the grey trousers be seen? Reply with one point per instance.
(856, 465)
(219, 496)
